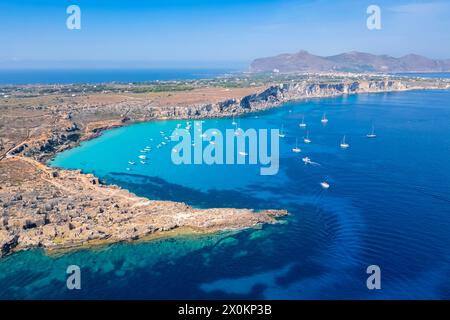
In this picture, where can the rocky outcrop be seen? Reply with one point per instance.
(72, 210)
(7, 242)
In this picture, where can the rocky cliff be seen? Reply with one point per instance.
(70, 134)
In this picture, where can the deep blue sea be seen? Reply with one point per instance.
(388, 205)
(67, 76)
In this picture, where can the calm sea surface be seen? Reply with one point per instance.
(61, 76)
(388, 205)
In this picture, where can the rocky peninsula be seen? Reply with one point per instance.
(60, 209)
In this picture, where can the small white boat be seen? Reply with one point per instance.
(296, 149)
(344, 145)
(306, 160)
(281, 134)
(142, 157)
(234, 122)
(212, 142)
(174, 150)
(144, 151)
(132, 163)
(143, 162)
(302, 124)
(242, 153)
(128, 169)
(307, 139)
(163, 143)
(372, 133)
(324, 185)
(324, 119)
(161, 132)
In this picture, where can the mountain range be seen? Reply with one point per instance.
(353, 61)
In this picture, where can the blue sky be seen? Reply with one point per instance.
(213, 32)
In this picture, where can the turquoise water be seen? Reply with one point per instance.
(388, 204)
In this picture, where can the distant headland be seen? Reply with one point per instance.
(353, 61)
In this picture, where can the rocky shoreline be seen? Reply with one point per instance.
(67, 209)
(270, 97)
(60, 209)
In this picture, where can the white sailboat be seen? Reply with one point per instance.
(132, 163)
(281, 134)
(238, 130)
(324, 119)
(307, 139)
(306, 160)
(302, 124)
(296, 149)
(372, 133)
(344, 145)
